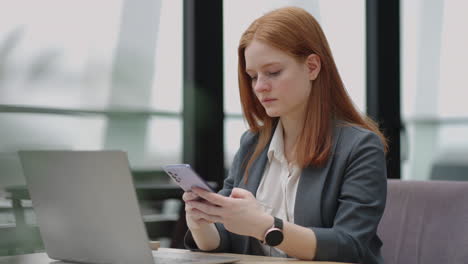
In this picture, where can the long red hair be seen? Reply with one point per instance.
(296, 32)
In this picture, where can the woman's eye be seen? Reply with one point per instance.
(276, 73)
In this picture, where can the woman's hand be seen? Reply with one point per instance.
(240, 213)
(193, 216)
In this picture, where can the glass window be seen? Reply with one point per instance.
(53, 57)
(434, 110)
(93, 75)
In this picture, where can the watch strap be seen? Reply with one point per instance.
(278, 223)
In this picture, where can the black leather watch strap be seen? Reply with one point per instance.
(278, 223)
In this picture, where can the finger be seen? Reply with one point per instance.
(192, 212)
(194, 215)
(197, 214)
(207, 208)
(189, 196)
(211, 197)
(198, 218)
(240, 193)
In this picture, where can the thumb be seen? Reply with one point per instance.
(239, 193)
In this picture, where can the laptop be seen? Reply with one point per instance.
(87, 210)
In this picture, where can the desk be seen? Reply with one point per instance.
(41, 258)
(249, 259)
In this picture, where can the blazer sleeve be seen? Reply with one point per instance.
(234, 177)
(361, 203)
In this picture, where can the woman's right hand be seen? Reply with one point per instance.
(194, 219)
(204, 233)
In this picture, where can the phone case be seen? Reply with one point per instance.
(185, 177)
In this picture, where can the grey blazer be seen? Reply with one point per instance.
(342, 202)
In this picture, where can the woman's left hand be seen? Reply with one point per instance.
(240, 213)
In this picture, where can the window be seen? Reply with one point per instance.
(88, 75)
(434, 89)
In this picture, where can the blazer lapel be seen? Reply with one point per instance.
(258, 168)
(309, 190)
(256, 172)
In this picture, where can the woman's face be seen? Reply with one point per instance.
(280, 82)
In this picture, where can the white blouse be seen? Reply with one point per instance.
(278, 187)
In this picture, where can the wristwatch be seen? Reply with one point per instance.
(274, 236)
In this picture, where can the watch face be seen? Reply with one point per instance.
(274, 237)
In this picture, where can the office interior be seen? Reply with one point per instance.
(158, 80)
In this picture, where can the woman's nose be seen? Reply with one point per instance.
(261, 85)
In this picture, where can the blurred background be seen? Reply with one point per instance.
(158, 79)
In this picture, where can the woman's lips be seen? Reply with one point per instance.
(268, 100)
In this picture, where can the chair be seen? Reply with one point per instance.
(425, 222)
(21, 236)
(16, 237)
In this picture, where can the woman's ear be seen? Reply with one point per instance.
(313, 65)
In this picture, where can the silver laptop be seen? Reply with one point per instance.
(87, 210)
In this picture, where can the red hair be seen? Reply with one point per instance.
(296, 32)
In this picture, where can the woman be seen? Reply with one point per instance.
(309, 179)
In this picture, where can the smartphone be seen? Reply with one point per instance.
(186, 177)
